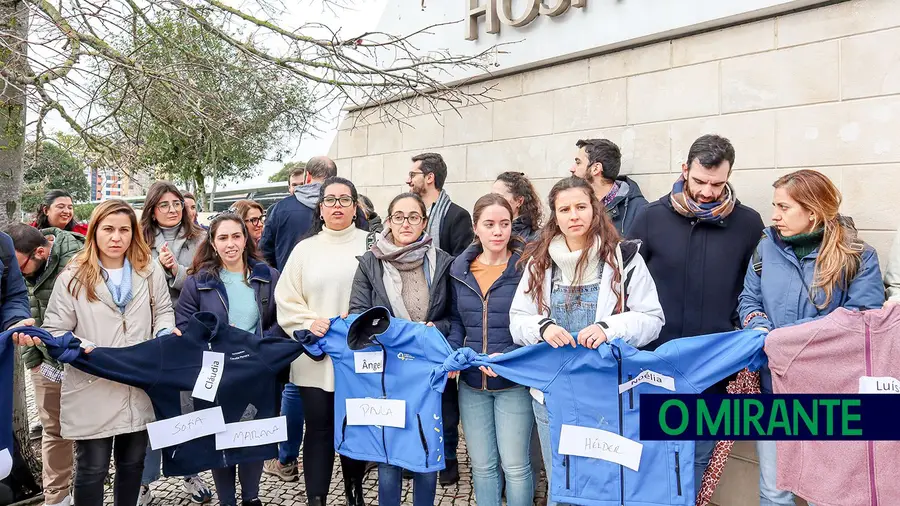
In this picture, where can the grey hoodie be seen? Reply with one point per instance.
(308, 194)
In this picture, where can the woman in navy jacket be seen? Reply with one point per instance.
(484, 281)
(228, 279)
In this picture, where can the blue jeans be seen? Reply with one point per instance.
(769, 495)
(152, 465)
(390, 486)
(483, 413)
(702, 452)
(542, 419)
(292, 409)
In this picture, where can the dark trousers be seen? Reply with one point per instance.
(450, 409)
(249, 474)
(92, 466)
(318, 444)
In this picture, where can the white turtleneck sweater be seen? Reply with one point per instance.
(567, 261)
(316, 283)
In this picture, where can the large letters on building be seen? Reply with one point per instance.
(494, 16)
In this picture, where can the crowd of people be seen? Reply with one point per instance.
(604, 264)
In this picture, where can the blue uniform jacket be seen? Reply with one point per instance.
(167, 368)
(581, 388)
(409, 353)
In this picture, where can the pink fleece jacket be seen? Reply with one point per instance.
(829, 355)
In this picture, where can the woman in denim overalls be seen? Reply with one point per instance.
(573, 283)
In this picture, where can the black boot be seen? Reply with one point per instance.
(353, 490)
(450, 474)
(316, 501)
(359, 494)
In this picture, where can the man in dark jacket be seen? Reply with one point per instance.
(598, 162)
(41, 256)
(697, 243)
(448, 224)
(289, 219)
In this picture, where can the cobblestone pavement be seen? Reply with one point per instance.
(168, 491)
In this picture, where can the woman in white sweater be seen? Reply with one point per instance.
(582, 286)
(315, 286)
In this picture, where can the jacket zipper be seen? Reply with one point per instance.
(870, 445)
(684, 308)
(384, 361)
(566, 465)
(484, 321)
(678, 472)
(618, 354)
(630, 395)
(422, 437)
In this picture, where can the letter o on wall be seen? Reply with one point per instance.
(560, 8)
(531, 12)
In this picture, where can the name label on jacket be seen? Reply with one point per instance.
(368, 362)
(648, 376)
(180, 429)
(380, 412)
(600, 444)
(879, 385)
(252, 433)
(210, 375)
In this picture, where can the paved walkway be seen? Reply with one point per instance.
(274, 492)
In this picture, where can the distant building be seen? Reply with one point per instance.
(106, 184)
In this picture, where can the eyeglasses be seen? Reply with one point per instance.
(256, 221)
(28, 260)
(177, 205)
(413, 219)
(343, 200)
(414, 174)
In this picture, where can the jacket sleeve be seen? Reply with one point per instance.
(638, 230)
(706, 360)
(443, 323)
(268, 239)
(293, 312)
(361, 293)
(278, 352)
(641, 324)
(524, 319)
(137, 366)
(164, 314)
(457, 329)
(750, 302)
(866, 291)
(14, 305)
(270, 318)
(534, 366)
(637, 207)
(188, 303)
(461, 233)
(60, 316)
(892, 271)
(436, 347)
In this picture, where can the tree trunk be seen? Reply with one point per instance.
(212, 193)
(13, 34)
(200, 191)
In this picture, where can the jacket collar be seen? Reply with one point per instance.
(460, 266)
(259, 271)
(368, 326)
(205, 325)
(784, 247)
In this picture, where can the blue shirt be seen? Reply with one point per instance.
(242, 310)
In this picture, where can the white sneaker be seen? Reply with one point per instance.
(145, 497)
(196, 487)
(67, 501)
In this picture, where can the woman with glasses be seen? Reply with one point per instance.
(315, 286)
(173, 238)
(254, 217)
(229, 279)
(404, 272)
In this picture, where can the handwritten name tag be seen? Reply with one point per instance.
(879, 385)
(5, 463)
(252, 433)
(381, 412)
(648, 376)
(179, 429)
(368, 362)
(600, 444)
(210, 375)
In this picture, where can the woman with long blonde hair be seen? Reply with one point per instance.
(809, 263)
(112, 294)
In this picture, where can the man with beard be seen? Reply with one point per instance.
(449, 225)
(598, 162)
(697, 242)
(42, 255)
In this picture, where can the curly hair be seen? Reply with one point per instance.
(520, 186)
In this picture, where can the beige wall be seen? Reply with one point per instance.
(816, 89)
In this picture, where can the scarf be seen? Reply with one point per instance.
(804, 244)
(121, 294)
(436, 216)
(567, 261)
(389, 253)
(714, 212)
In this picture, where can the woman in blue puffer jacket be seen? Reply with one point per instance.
(484, 280)
(228, 279)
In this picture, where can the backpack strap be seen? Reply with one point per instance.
(756, 260)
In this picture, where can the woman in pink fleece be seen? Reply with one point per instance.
(809, 263)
